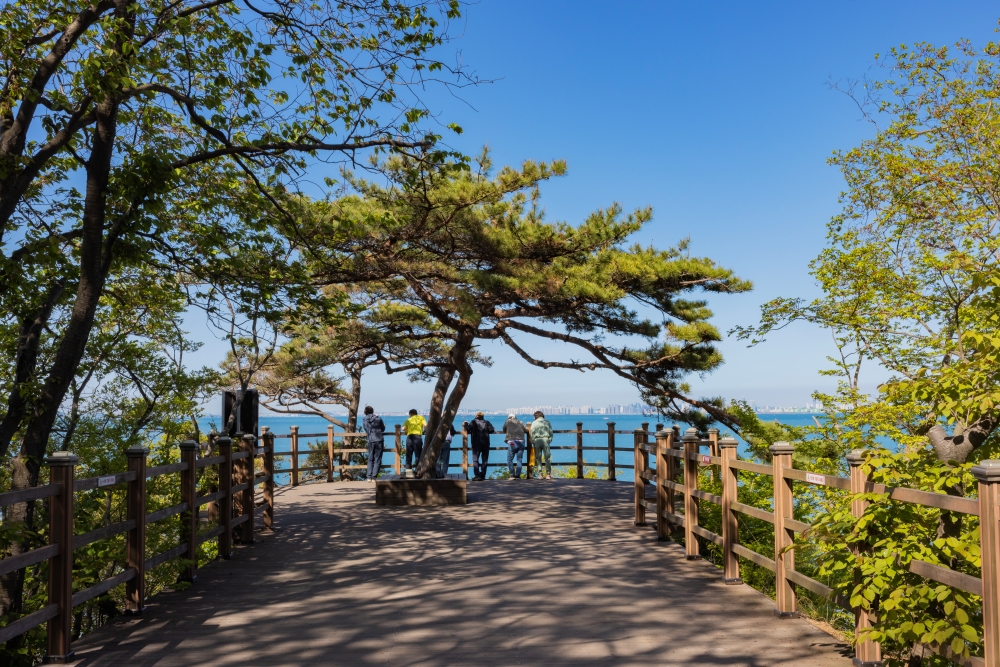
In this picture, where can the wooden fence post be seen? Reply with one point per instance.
(987, 473)
(670, 473)
(662, 445)
(639, 437)
(713, 439)
(295, 456)
(579, 450)
(465, 453)
(529, 468)
(781, 456)
(249, 495)
(189, 519)
(329, 455)
(226, 502)
(135, 539)
(612, 473)
(61, 472)
(268, 438)
(730, 525)
(866, 653)
(691, 441)
(399, 451)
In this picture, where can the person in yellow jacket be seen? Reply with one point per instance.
(414, 429)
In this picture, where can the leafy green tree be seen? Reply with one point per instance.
(159, 133)
(472, 249)
(909, 279)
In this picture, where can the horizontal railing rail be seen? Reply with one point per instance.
(338, 450)
(681, 455)
(234, 505)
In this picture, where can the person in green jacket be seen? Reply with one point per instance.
(541, 438)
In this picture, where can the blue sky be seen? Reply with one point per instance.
(718, 115)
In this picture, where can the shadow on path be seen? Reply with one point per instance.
(529, 573)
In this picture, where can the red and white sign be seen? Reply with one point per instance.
(815, 479)
(705, 459)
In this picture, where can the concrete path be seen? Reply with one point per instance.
(529, 573)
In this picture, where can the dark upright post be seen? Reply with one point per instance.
(189, 519)
(268, 438)
(135, 539)
(248, 500)
(61, 472)
(226, 502)
(295, 456)
(579, 450)
(612, 473)
(638, 437)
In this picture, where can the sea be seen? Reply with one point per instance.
(313, 430)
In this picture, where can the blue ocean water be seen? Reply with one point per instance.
(314, 429)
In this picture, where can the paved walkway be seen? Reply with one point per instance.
(529, 573)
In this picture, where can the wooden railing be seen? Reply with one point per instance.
(675, 454)
(337, 453)
(235, 505)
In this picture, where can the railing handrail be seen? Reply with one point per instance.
(238, 478)
(669, 453)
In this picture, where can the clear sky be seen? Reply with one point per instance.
(718, 115)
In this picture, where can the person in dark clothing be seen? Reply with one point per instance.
(374, 428)
(479, 434)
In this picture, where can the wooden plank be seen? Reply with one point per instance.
(707, 534)
(830, 481)
(24, 495)
(649, 504)
(156, 471)
(705, 495)
(753, 557)
(25, 623)
(261, 479)
(648, 475)
(88, 594)
(240, 487)
(166, 512)
(673, 486)
(210, 461)
(28, 558)
(102, 533)
(202, 500)
(674, 518)
(161, 558)
(751, 467)
(928, 499)
(88, 483)
(750, 510)
(209, 534)
(802, 580)
(797, 526)
(947, 576)
(676, 453)
(240, 519)
(241, 455)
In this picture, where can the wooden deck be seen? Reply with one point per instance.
(529, 572)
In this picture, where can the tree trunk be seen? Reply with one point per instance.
(24, 366)
(443, 419)
(96, 254)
